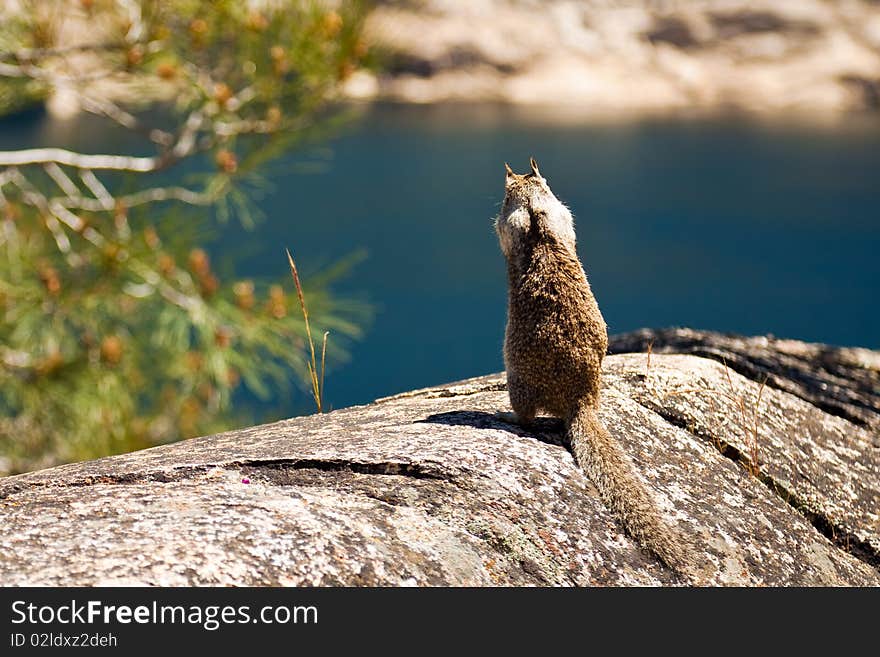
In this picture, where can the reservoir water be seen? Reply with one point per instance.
(738, 224)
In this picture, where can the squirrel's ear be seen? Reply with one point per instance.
(508, 172)
(534, 166)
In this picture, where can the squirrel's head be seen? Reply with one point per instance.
(531, 208)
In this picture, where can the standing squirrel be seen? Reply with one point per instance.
(553, 349)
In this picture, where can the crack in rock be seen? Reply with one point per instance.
(382, 468)
(837, 535)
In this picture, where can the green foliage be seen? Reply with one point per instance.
(115, 331)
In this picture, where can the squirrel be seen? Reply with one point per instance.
(554, 344)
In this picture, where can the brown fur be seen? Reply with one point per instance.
(554, 345)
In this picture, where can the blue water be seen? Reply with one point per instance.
(725, 223)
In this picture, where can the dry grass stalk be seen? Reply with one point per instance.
(316, 380)
(749, 422)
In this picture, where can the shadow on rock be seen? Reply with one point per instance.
(546, 429)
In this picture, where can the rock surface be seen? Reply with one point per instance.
(432, 487)
(841, 381)
(603, 57)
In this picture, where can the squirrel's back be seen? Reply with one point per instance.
(555, 332)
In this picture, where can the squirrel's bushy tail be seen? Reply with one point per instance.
(622, 491)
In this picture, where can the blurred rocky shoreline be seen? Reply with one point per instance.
(609, 57)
